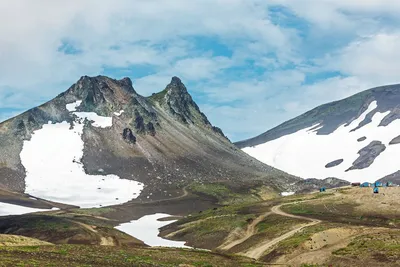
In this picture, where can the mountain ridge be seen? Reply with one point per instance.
(343, 139)
(356, 103)
(101, 127)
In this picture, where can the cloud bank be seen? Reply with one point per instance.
(250, 64)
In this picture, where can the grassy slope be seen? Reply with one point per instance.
(354, 206)
(79, 255)
(351, 209)
(209, 229)
(66, 228)
(371, 249)
(375, 239)
(17, 240)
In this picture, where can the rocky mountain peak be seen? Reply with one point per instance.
(176, 100)
(101, 94)
(181, 104)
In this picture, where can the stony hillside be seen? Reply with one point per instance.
(100, 143)
(355, 139)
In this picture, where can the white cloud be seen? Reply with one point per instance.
(145, 32)
(264, 81)
(374, 58)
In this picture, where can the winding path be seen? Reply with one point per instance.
(250, 231)
(257, 251)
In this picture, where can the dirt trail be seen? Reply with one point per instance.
(185, 194)
(104, 241)
(257, 251)
(250, 231)
(86, 226)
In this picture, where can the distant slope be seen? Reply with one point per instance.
(353, 139)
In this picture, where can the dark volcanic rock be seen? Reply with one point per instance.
(394, 178)
(128, 136)
(139, 124)
(334, 163)
(150, 129)
(368, 155)
(176, 99)
(395, 140)
(362, 139)
(312, 184)
(393, 115)
(182, 105)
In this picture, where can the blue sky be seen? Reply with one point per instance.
(249, 64)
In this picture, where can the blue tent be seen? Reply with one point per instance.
(378, 184)
(366, 184)
(322, 189)
(376, 190)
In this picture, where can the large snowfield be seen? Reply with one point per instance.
(305, 154)
(54, 172)
(146, 229)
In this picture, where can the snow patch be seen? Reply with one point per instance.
(119, 113)
(98, 121)
(54, 172)
(147, 230)
(305, 154)
(73, 106)
(11, 209)
(285, 194)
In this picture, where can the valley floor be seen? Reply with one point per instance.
(342, 227)
(348, 226)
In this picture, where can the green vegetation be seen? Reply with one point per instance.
(290, 244)
(80, 255)
(94, 211)
(277, 225)
(301, 237)
(223, 194)
(210, 232)
(158, 97)
(339, 212)
(44, 224)
(384, 245)
(209, 228)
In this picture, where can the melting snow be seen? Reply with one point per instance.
(98, 121)
(72, 107)
(147, 230)
(51, 159)
(10, 209)
(305, 153)
(284, 194)
(119, 113)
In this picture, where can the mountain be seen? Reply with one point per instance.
(356, 139)
(100, 143)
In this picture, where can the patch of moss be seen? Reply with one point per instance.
(276, 224)
(94, 211)
(81, 255)
(223, 194)
(158, 97)
(387, 244)
(290, 244)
